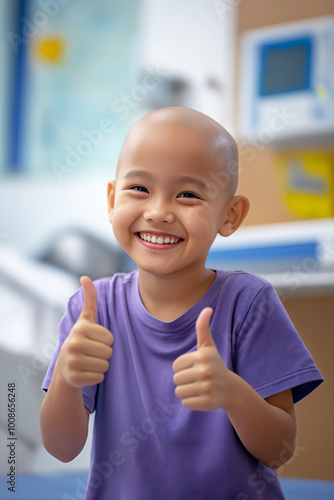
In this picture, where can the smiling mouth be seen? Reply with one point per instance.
(159, 240)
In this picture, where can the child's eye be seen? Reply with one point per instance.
(139, 188)
(189, 194)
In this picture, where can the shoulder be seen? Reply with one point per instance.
(244, 277)
(236, 281)
(243, 291)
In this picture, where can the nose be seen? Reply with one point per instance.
(159, 211)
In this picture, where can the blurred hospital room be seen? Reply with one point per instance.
(75, 76)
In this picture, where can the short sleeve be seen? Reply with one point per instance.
(268, 352)
(74, 307)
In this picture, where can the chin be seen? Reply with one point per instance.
(155, 270)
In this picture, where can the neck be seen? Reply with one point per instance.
(167, 297)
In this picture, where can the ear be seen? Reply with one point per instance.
(111, 199)
(236, 211)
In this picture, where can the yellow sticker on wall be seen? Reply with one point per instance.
(49, 49)
(308, 183)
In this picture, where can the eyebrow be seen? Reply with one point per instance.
(186, 178)
(136, 173)
(195, 180)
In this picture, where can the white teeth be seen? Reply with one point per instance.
(159, 240)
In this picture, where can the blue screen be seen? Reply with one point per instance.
(285, 66)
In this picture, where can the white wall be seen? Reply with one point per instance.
(195, 40)
(34, 209)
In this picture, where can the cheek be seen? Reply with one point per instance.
(121, 222)
(200, 224)
(203, 229)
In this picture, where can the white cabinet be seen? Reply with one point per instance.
(296, 257)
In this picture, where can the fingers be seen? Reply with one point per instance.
(200, 375)
(90, 340)
(79, 379)
(183, 377)
(95, 332)
(89, 364)
(187, 391)
(204, 338)
(98, 333)
(84, 356)
(90, 300)
(97, 350)
(197, 396)
(185, 361)
(84, 361)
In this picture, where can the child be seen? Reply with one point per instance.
(195, 398)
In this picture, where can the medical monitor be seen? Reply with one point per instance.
(287, 84)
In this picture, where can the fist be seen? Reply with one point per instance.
(201, 377)
(84, 356)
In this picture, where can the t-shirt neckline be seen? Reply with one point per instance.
(209, 299)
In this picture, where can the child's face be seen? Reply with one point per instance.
(165, 208)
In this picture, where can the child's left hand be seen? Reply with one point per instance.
(202, 380)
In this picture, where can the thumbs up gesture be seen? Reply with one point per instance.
(85, 353)
(202, 380)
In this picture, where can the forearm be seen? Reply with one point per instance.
(266, 431)
(63, 419)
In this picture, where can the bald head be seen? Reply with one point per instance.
(217, 146)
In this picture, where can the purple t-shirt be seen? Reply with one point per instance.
(146, 445)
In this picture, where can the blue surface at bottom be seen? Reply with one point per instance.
(46, 487)
(307, 489)
(72, 487)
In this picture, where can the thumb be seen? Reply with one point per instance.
(204, 338)
(90, 300)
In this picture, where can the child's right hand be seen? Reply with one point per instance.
(84, 355)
